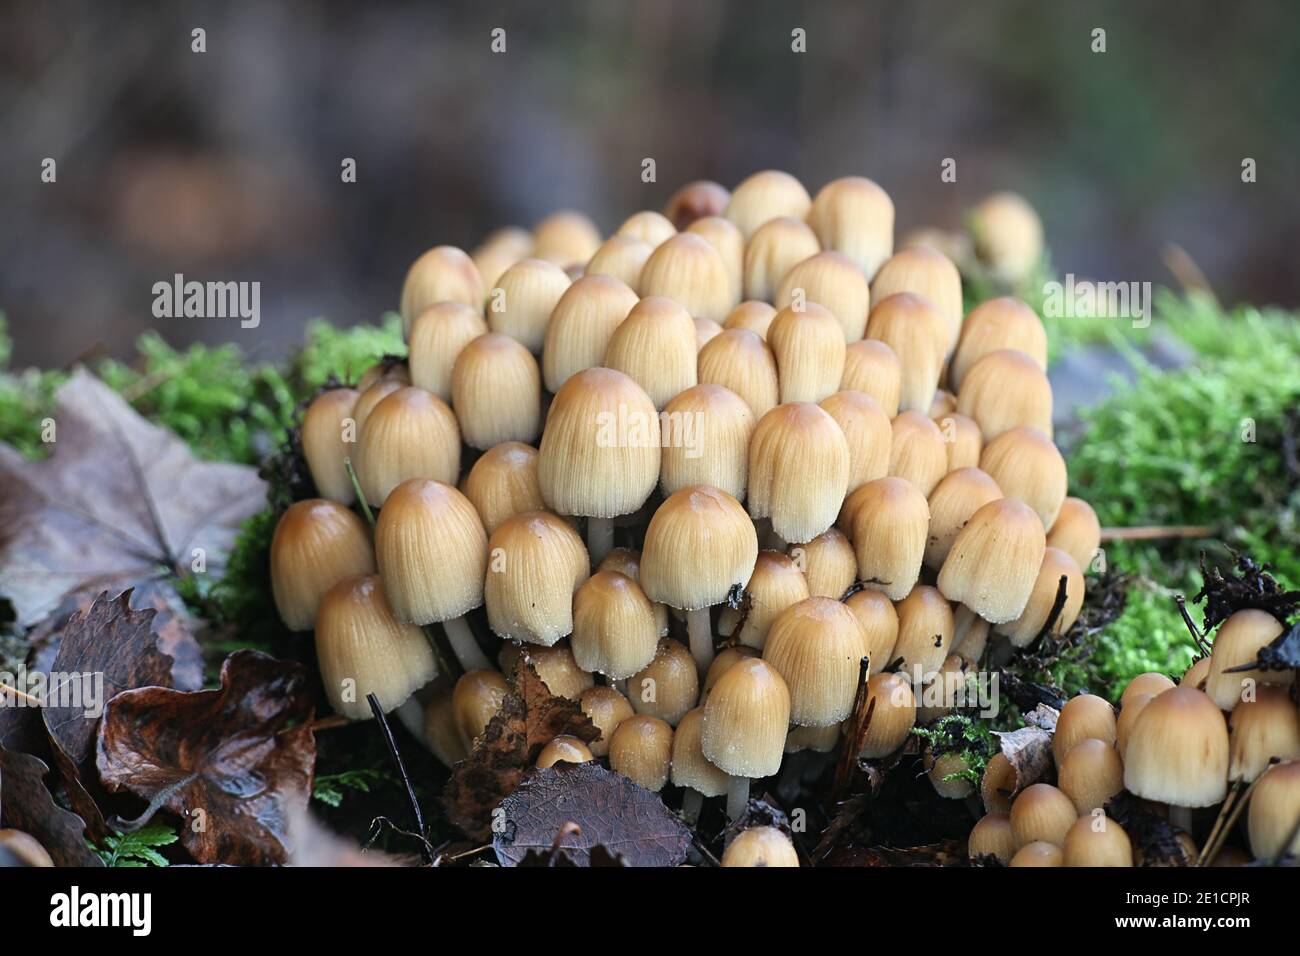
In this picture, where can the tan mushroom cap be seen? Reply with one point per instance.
(614, 627)
(503, 482)
(1178, 750)
(443, 274)
(536, 561)
(809, 348)
(700, 544)
(798, 470)
(316, 544)
(521, 302)
(918, 334)
(690, 768)
(739, 360)
(641, 750)
(696, 200)
(873, 368)
(833, 280)
(328, 436)
(762, 847)
(410, 434)
(854, 216)
(764, 196)
(889, 526)
(705, 433)
(773, 250)
(995, 560)
(746, 718)
(581, 326)
(816, 646)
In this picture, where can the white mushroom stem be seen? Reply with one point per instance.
(600, 538)
(411, 715)
(1181, 817)
(692, 803)
(737, 797)
(700, 629)
(464, 646)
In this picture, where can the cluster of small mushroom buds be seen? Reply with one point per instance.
(1223, 737)
(760, 346)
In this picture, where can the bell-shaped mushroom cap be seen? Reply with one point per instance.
(363, 649)
(1097, 841)
(607, 708)
(328, 433)
(1149, 683)
(627, 561)
(410, 434)
(317, 543)
(872, 367)
(1264, 727)
(440, 730)
(565, 238)
(925, 632)
(1042, 813)
(535, 563)
(879, 621)
(798, 470)
(475, 701)
(705, 434)
(1178, 751)
(723, 236)
(700, 544)
(696, 200)
(1091, 774)
(943, 404)
(376, 393)
(523, 299)
(722, 663)
(917, 451)
(503, 482)
(970, 634)
(746, 718)
(1238, 642)
(443, 274)
(828, 562)
(496, 392)
(1130, 710)
(1196, 674)
(760, 846)
(1076, 531)
(867, 430)
(559, 670)
(432, 551)
(953, 502)
(563, 749)
(499, 251)
(641, 750)
(963, 439)
(621, 258)
(581, 326)
(751, 314)
(991, 836)
(777, 583)
(690, 768)
(940, 690)
(1084, 717)
(436, 339)
(893, 715)
(1027, 465)
(832, 280)
(648, 226)
(927, 273)
(1274, 809)
(809, 348)
(1008, 236)
(739, 360)
(854, 216)
(1002, 323)
(995, 561)
(688, 270)
(600, 451)
(1038, 853)
(1056, 565)
(668, 686)
(890, 521)
(764, 196)
(999, 785)
(917, 334)
(772, 251)
(816, 646)
(614, 627)
(1006, 389)
(706, 330)
(655, 347)
(22, 849)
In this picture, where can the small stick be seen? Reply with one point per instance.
(356, 486)
(1219, 831)
(1156, 532)
(858, 724)
(1197, 636)
(22, 695)
(1058, 605)
(425, 850)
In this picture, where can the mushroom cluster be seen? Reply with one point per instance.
(1226, 737)
(701, 469)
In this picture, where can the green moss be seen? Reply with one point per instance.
(968, 737)
(343, 354)
(1149, 636)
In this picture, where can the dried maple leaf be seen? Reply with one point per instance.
(235, 762)
(26, 804)
(530, 717)
(120, 501)
(105, 650)
(587, 806)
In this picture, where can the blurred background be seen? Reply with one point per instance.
(226, 165)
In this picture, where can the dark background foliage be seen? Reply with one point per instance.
(226, 165)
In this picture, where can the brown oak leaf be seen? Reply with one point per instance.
(235, 763)
(26, 804)
(576, 808)
(120, 501)
(530, 717)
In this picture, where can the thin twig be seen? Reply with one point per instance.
(853, 741)
(1156, 532)
(1058, 605)
(1197, 636)
(27, 698)
(1226, 820)
(356, 486)
(425, 850)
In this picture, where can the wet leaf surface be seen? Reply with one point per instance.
(26, 804)
(234, 763)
